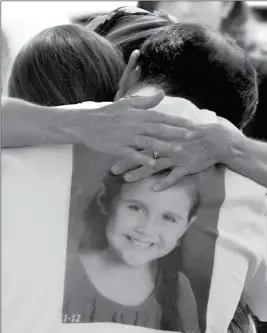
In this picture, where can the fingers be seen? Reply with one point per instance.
(117, 96)
(155, 124)
(135, 156)
(175, 175)
(144, 102)
(131, 66)
(147, 170)
(162, 131)
(177, 122)
(163, 119)
(164, 148)
(123, 166)
(132, 63)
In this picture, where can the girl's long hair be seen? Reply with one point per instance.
(66, 64)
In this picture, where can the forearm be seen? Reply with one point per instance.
(247, 157)
(25, 124)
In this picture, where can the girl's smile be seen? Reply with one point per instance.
(139, 243)
(146, 225)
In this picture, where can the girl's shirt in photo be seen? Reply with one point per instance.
(83, 303)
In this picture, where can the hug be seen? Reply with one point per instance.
(191, 257)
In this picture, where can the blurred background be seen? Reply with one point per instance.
(22, 19)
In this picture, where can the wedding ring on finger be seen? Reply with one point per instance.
(156, 155)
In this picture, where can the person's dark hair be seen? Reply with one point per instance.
(203, 66)
(127, 28)
(95, 216)
(66, 64)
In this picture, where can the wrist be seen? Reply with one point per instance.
(235, 152)
(65, 123)
(220, 138)
(230, 142)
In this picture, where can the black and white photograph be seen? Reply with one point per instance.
(134, 166)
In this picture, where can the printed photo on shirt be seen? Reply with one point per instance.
(122, 262)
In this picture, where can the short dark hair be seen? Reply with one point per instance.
(203, 66)
(66, 64)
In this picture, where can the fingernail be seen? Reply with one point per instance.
(115, 170)
(136, 52)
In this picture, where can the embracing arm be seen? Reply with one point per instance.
(120, 128)
(26, 124)
(247, 157)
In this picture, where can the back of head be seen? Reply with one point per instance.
(203, 66)
(127, 27)
(66, 64)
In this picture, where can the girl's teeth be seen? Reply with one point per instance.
(140, 243)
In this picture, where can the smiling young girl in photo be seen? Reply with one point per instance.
(124, 276)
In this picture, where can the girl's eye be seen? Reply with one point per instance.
(169, 218)
(135, 208)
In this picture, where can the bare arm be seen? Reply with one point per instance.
(120, 128)
(25, 124)
(247, 157)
